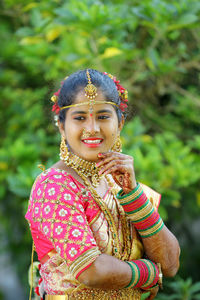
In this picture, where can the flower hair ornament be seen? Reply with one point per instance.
(91, 93)
(123, 93)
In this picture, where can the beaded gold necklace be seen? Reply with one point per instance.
(84, 168)
(125, 226)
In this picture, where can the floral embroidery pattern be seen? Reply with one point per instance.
(80, 219)
(67, 197)
(47, 209)
(72, 252)
(76, 233)
(59, 230)
(45, 229)
(51, 192)
(59, 213)
(62, 212)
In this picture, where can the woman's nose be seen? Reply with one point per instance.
(93, 126)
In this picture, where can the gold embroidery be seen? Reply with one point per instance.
(82, 261)
(99, 294)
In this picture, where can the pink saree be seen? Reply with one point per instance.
(63, 216)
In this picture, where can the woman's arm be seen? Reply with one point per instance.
(112, 273)
(163, 247)
(159, 243)
(106, 272)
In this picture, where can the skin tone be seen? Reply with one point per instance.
(107, 271)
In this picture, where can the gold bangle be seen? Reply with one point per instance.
(160, 276)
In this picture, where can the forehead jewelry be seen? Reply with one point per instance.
(90, 93)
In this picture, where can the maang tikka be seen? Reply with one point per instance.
(90, 92)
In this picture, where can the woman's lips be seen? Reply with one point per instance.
(92, 142)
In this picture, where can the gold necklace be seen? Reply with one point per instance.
(80, 165)
(83, 167)
(125, 228)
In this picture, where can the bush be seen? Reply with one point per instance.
(153, 46)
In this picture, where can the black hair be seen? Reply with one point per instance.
(78, 80)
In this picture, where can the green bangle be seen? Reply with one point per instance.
(120, 194)
(133, 273)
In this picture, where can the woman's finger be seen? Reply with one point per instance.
(109, 158)
(153, 293)
(119, 167)
(114, 163)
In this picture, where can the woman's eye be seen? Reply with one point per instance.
(103, 117)
(80, 118)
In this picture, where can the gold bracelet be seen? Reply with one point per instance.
(160, 281)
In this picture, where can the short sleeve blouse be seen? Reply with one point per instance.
(59, 214)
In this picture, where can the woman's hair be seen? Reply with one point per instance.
(73, 84)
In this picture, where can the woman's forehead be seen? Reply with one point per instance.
(97, 108)
(81, 97)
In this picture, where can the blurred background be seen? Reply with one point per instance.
(152, 46)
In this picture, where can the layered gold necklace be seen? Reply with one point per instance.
(83, 167)
(86, 169)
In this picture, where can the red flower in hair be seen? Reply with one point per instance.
(57, 93)
(54, 99)
(123, 94)
(123, 106)
(56, 108)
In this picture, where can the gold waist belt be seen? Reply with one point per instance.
(98, 294)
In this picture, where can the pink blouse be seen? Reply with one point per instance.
(59, 213)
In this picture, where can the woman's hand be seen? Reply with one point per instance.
(120, 166)
(153, 293)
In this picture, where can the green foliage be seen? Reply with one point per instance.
(153, 47)
(181, 290)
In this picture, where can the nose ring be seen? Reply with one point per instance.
(87, 134)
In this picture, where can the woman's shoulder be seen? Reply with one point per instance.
(55, 176)
(51, 173)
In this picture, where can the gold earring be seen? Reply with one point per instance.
(117, 147)
(64, 152)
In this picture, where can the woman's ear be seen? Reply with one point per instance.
(61, 128)
(121, 124)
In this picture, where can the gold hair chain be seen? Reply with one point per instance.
(90, 92)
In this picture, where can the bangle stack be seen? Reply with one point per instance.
(141, 212)
(145, 274)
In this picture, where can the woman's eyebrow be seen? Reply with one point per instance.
(98, 112)
(104, 111)
(79, 112)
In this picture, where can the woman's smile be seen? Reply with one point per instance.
(92, 142)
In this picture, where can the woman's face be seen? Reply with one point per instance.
(102, 126)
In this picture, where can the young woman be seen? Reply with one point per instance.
(96, 230)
